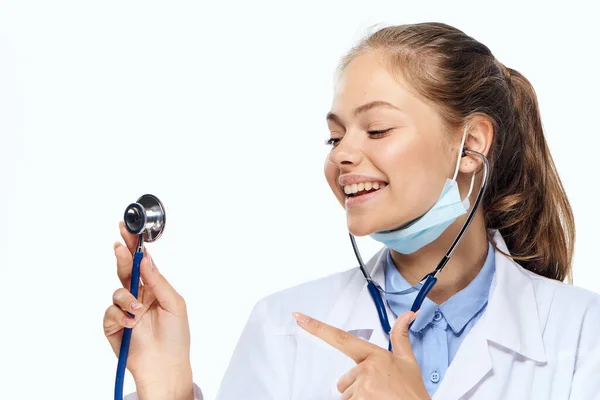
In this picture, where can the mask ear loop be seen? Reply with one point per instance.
(462, 154)
(471, 187)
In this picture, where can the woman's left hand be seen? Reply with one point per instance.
(378, 374)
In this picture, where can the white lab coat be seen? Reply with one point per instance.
(538, 339)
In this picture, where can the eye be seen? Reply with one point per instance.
(332, 141)
(378, 133)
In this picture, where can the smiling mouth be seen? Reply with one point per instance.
(359, 189)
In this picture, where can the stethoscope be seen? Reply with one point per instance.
(145, 218)
(426, 284)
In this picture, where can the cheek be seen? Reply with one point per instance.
(402, 161)
(414, 177)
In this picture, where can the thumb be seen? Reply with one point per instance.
(399, 335)
(154, 281)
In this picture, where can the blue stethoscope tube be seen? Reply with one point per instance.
(430, 279)
(381, 311)
(126, 339)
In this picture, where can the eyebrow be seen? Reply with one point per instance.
(364, 108)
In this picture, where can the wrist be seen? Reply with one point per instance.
(176, 386)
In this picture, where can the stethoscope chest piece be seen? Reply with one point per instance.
(146, 216)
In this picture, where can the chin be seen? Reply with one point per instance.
(361, 226)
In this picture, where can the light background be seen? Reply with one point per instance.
(218, 109)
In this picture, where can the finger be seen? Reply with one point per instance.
(124, 264)
(115, 319)
(154, 281)
(130, 239)
(347, 380)
(349, 392)
(399, 335)
(127, 302)
(355, 348)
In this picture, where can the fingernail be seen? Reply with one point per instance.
(300, 318)
(117, 244)
(135, 305)
(147, 263)
(121, 224)
(406, 318)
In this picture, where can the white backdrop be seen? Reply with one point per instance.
(218, 108)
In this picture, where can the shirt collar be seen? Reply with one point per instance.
(458, 310)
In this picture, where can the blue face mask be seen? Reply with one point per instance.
(433, 223)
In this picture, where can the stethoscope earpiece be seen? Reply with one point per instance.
(146, 216)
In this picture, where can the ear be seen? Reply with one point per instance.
(480, 135)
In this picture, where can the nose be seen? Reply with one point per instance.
(347, 153)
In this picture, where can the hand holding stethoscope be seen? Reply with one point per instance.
(158, 336)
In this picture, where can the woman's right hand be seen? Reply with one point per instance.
(159, 352)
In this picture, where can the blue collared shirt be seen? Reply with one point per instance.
(438, 331)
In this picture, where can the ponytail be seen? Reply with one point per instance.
(527, 201)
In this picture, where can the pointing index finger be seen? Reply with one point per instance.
(355, 348)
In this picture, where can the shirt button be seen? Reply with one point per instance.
(437, 316)
(435, 377)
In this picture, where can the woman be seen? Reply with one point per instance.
(499, 324)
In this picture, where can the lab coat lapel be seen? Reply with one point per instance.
(511, 321)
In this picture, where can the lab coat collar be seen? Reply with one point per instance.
(511, 319)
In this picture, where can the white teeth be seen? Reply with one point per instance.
(357, 187)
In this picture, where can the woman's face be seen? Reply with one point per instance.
(383, 136)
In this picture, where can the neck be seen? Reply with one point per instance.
(464, 265)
